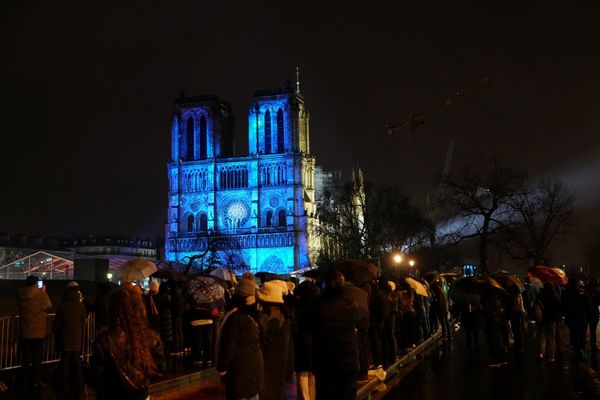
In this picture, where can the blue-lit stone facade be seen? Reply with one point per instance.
(260, 207)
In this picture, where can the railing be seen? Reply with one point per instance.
(10, 352)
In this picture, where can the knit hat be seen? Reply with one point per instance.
(271, 292)
(246, 288)
(283, 285)
(72, 284)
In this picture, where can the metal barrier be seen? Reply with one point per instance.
(367, 390)
(10, 354)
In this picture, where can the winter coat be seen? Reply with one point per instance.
(69, 322)
(239, 355)
(164, 316)
(306, 294)
(335, 320)
(377, 304)
(33, 304)
(575, 306)
(361, 297)
(114, 380)
(275, 339)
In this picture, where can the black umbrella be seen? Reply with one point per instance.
(479, 285)
(357, 271)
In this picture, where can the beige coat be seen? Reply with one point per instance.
(33, 304)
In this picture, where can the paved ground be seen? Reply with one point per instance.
(451, 372)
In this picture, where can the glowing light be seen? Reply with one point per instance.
(398, 258)
(411, 263)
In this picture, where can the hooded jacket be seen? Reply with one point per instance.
(33, 304)
(70, 321)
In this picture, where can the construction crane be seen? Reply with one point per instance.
(414, 120)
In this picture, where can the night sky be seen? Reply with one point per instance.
(87, 88)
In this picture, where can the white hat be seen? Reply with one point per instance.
(271, 292)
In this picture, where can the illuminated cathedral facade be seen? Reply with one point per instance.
(258, 208)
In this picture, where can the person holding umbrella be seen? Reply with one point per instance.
(239, 357)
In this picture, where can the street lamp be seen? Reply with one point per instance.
(411, 263)
(397, 258)
(109, 276)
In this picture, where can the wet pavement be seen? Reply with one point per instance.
(451, 372)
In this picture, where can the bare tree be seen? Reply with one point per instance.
(476, 205)
(365, 221)
(542, 215)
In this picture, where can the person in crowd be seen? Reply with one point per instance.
(335, 317)
(274, 323)
(361, 297)
(127, 354)
(33, 304)
(423, 309)
(69, 325)
(100, 307)
(239, 357)
(410, 323)
(470, 319)
(150, 300)
(306, 294)
(577, 313)
(377, 304)
(177, 316)
(496, 327)
(593, 297)
(516, 315)
(163, 303)
(388, 343)
(440, 307)
(547, 313)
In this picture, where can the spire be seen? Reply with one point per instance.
(297, 80)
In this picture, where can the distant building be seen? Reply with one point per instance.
(59, 258)
(258, 209)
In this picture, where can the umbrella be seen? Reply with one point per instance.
(168, 273)
(479, 285)
(204, 290)
(462, 297)
(357, 271)
(418, 287)
(535, 283)
(265, 276)
(451, 276)
(431, 275)
(510, 282)
(547, 274)
(136, 270)
(224, 274)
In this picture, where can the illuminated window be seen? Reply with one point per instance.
(203, 138)
(189, 139)
(280, 140)
(267, 132)
(269, 219)
(203, 222)
(281, 218)
(190, 223)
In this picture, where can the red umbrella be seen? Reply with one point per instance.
(547, 274)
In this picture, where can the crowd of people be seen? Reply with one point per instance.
(542, 311)
(326, 332)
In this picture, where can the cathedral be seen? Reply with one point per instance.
(256, 210)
